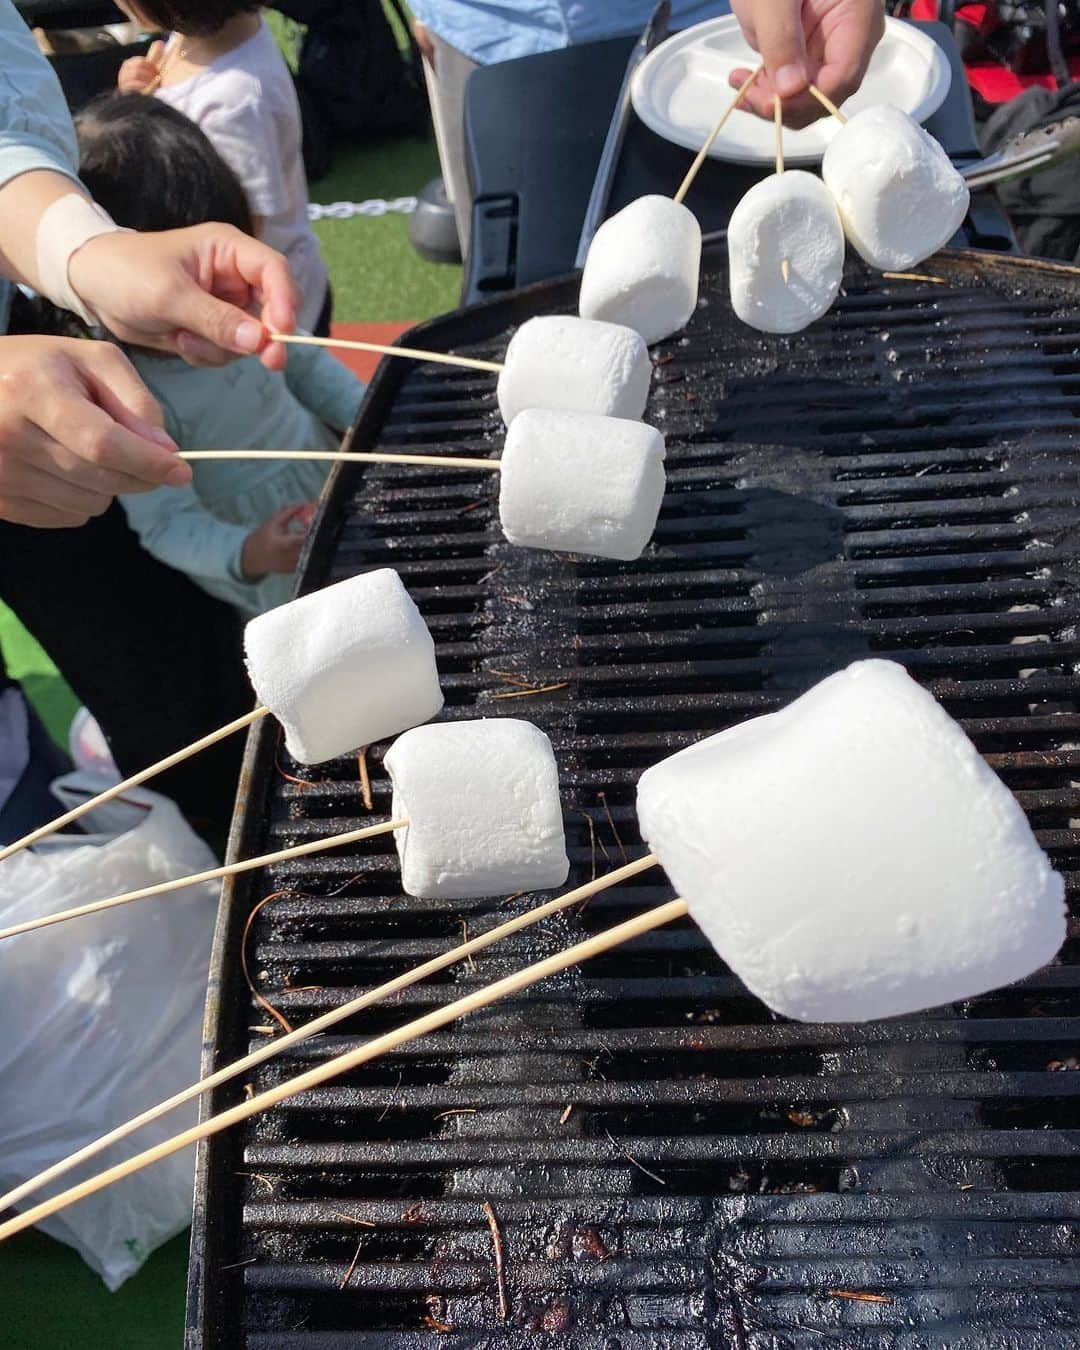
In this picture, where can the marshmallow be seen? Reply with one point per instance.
(899, 197)
(642, 268)
(346, 666)
(852, 856)
(557, 361)
(482, 802)
(786, 216)
(577, 483)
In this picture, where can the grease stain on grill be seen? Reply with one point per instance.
(900, 479)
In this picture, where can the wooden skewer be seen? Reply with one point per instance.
(380, 1045)
(347, 457)
(212, 874)
(778, 124)
(699, 160)
(827, 103)
(462, 952)
(110, 794)
(384, 349)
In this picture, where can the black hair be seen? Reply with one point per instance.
(152, 168)
(193, 18)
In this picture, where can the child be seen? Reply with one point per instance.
(222, 68)
(237, 530)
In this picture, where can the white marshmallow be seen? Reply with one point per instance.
(482, 801)
(852, 856)
(577, 483)
(642, 268)
(557, 361)
(899, 197)
(786, 216)
(345, 666)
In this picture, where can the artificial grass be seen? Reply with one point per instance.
(42, 683)
(53, 1301)
(374, 270)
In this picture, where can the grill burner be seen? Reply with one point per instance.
(668, 1162)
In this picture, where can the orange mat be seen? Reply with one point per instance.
(364, 363)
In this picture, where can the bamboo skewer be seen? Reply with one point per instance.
(464, 951)
(212, 874)
(827, 103)
(699, 160)
(778, 124)
(119, 789)
(380, 1045)
(347, 457)
(385, 349)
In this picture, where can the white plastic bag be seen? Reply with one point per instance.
(101, 1017)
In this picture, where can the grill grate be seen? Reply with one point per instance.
(666, 1158)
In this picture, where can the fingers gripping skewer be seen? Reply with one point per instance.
(778, 123)
(110, 794)
(433, 1021)
(699, 160)
(320, 1024)
(212, 874)
(385, 349)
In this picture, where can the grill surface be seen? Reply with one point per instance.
(669, 1162)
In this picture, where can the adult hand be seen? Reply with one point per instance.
(828, 43)
(274, 546)
(140, 74)
(77, 426)
(189, 291)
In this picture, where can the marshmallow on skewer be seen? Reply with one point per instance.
(345, 666)
(852, 856)
(482, 801)
(642, 268)
(581, 365)
(578, 483)
(898, 194)
(786, 218)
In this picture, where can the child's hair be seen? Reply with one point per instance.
(193, 18)
(152, 168)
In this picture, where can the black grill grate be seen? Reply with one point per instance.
(902, 480)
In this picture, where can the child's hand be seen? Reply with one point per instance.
(274, 546)
(140, 74)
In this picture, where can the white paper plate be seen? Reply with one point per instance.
(681, 88)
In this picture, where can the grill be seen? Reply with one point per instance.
(667, 1162)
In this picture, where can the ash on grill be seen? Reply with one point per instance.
(901, 480)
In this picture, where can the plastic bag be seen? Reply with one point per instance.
(102, 1017)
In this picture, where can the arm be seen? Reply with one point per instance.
(178, 530)
(181, 290)
(824, 42)
(324, 385)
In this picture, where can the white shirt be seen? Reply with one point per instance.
(246, 105)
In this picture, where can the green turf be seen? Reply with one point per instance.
(51, 1300)
(375, 272)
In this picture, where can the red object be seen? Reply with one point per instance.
(994, 81)
(364, 363)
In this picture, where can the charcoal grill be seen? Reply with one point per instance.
(669, 1163)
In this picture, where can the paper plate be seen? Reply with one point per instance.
(681, 88)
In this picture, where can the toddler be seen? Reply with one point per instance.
(238, 528)
(222, 68)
